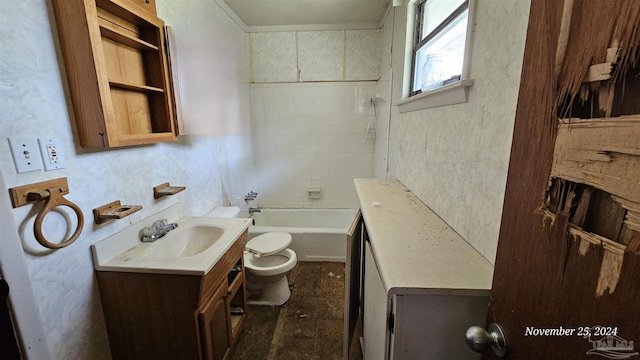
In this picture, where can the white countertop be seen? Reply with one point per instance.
(124, 251)
(414, 249)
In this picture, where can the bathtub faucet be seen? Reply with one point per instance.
(250, 196)
(253, 210)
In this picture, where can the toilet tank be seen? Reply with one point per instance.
(224, 212)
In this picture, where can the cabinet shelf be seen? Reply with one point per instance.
(141, 139)
(142, 88)
(112, 32)
(236, 321)
(236, 284)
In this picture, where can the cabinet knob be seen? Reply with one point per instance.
(480, 340)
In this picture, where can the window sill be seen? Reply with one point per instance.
(451, 94)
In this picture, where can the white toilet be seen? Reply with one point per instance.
(267, 261)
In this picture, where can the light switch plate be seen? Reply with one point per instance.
(26, 156)
(51, 157)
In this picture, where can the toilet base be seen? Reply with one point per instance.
(275, 293)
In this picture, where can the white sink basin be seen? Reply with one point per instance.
(185, 241)
(192, 248)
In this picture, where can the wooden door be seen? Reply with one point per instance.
(567, 274)
(214, 326)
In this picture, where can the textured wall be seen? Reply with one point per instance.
(336, 55)
(34, 103)
(382, 114)
(455, 158)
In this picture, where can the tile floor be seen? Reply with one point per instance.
(309, 326)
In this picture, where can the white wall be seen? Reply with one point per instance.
(382, 113)
(213, 62)
(310, 109)
(455, 158)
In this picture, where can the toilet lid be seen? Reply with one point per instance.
(269, 243)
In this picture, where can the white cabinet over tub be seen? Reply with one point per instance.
(416, 284)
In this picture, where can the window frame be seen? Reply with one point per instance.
(418, 44)
(451, 92)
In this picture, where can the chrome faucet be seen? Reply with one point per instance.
(253, 210)
(159, 229)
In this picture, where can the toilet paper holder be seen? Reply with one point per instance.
(52, 193)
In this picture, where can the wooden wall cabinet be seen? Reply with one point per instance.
(149, 5)
(168, 316)
(117, 69)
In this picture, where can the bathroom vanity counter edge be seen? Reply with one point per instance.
(413, 248)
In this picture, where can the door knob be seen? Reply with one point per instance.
(480, 340)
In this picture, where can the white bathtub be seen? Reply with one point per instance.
(318, 234)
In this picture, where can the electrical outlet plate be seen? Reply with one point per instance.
(50, 152)
(24, 151)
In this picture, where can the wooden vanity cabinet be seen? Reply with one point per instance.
(117, 70)
(169, 316)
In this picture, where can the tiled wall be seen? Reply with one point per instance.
(308, 135)
(310, 109)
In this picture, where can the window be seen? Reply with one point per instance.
(439, 44)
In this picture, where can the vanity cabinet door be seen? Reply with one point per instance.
(214, 322)
(374, 322)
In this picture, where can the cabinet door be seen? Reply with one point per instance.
(374, 322)
(353, 279)
(214, 322)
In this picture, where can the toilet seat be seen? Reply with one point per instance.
(286, 260)
(269, 243)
